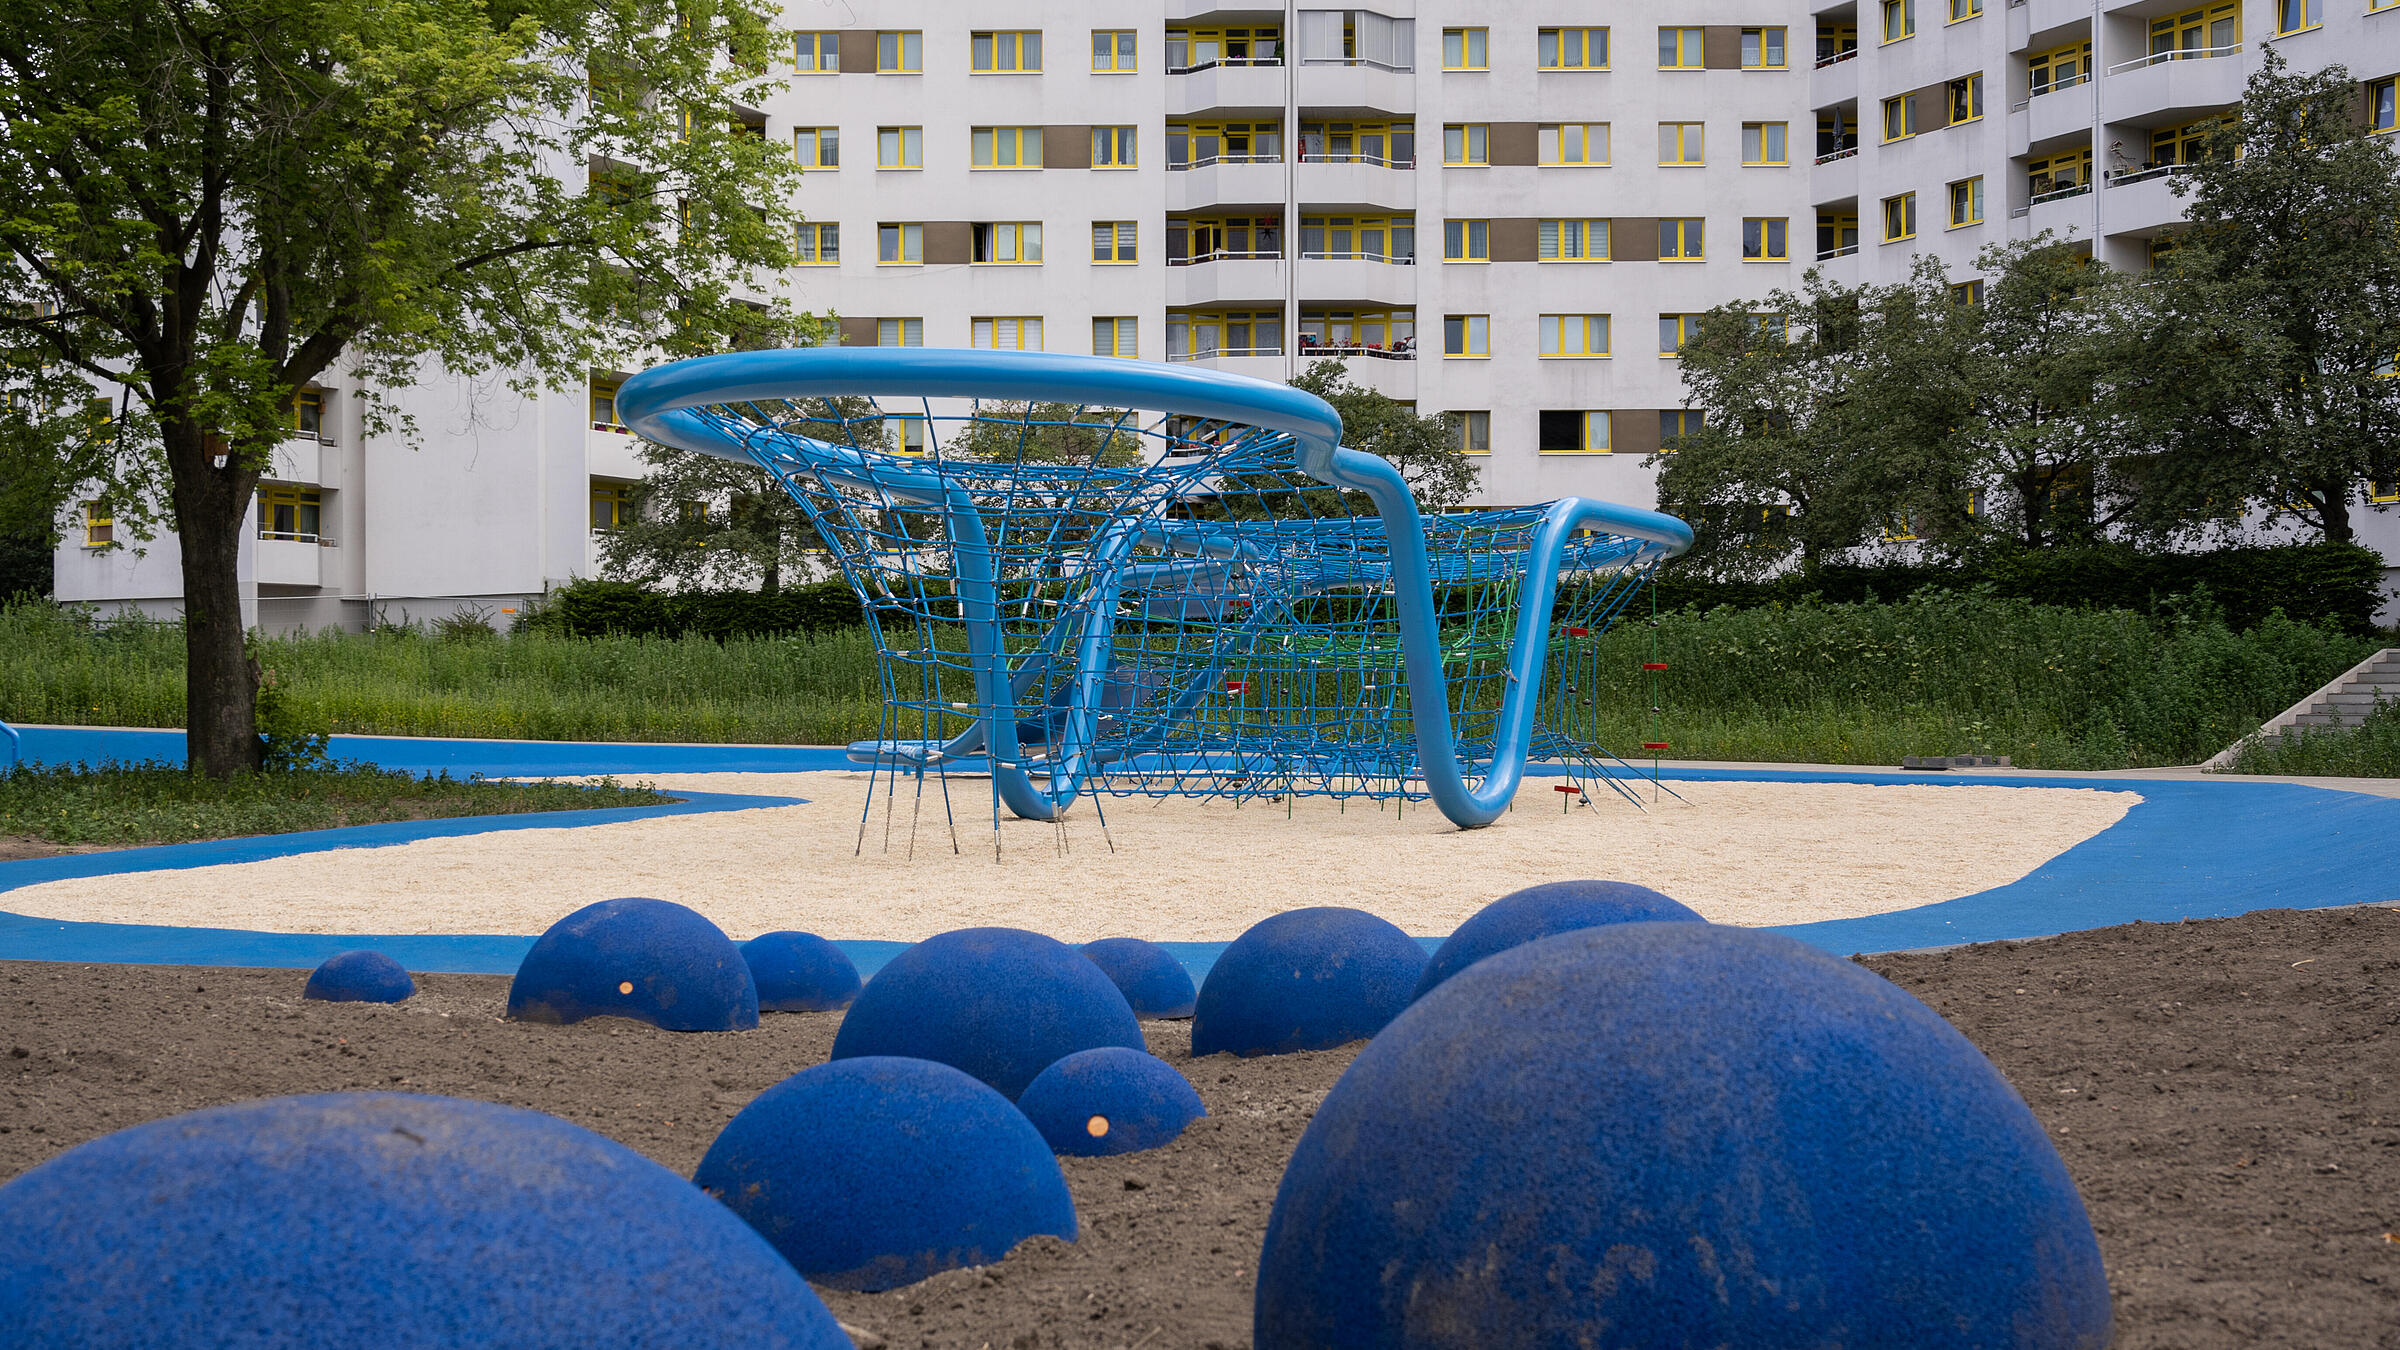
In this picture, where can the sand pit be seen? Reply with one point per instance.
(1739, 852)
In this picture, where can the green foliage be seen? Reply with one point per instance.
(1426, 450)
(1045, 433)
(2369, 750)
(123, 805)
(618, 609)
(290, 742)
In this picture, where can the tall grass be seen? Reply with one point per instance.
(1854, 683)
(2368, 750)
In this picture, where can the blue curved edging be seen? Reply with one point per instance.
(2188, 850)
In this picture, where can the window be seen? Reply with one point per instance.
(1471, 432)
(1899, 118)
(1009, 241)
(1008, 147)
(1372, 332)
(900, 147)
(1392, 144)
(1967, 292)
(1575, 143)
(1113, 337)
(2185, 144)
(817, 53)
(1467, 335)
(900, 243)
(1899, 19)
(2383, 491)
(1470, 48)
(2059, 68)
(1112, 241)
(612, 508)
(1966, 98)
(1681, 49)
(912, 436)
(1112, 51)
(1966, 202)
(1201, 334)
(1463, 143)
(1763, 49)
(1963, 10)
(1836, 42)
(2383, 103)
(820, 243)
(1674, 330)
(1201, 240)
(1194, 144)
(2212, 30)
(1674, 424)
(1574, 432)
(1837, 236)
(99, 524)
(1013, 334)
(1574, 48)
(899, 332)
(2160, 251)
(1466, 241)
(2059, 175)
(1571, 241)
(295, 513)
(308, 411)
(1112, 148)
(2296, 16)
(604, 405)
(899, 53)
(1574, 335)
(1900, 217)
(817, 147)
(1191, 49)
(1368, 238)
(1766, 239)
(1011, 53)
(1681, 143)
(1766, 143)
(1681, 240)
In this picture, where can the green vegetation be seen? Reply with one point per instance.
(2369, 750)
(156, 804)
(1858, 683)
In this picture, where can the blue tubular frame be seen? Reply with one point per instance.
(661, 404)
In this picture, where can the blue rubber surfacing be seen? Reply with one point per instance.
(2187, 850)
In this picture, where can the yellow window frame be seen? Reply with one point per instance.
(1005, 51)
(900, 51)
(817, 243)
(1472, 334)
(1466, 240)
(612, 507)
(906, 332)
(1579, 239)
(1674, 330)
(900, 243)
(1683, 239)
(1573, 336)
(306, 507)
(1774, 42)
(99, 524)
(1571, 48)
(817, 148)
(2383, 101)
(1899, 217)
(1570, 144)
(1005, 148)
(1115, 336)
(1899, 20)
(1471, 431)
(1019, 240)
(899, 147)
(1965, 99)
(1115, 241)
(1114, 148)
(2077, 161)
(1682, 144)
(1472, 143)
(2061, 67)
(1346, 237)
(1966, 202)
(1963, 10)
(985, 332)
(1471, 48)
(1595, 434)
(2311, 14)
(1899, 118)
(1681, 48)
(1763, 133)
(1766, 239)
(1115, 51)
(816, 53)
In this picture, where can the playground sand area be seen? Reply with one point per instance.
(2221, 1092)
(1751, 853)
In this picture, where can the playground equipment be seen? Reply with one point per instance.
(359, 977)
(651, 960)
(1099, 1103)
(800, 972)
(1100, 576)
(1306, 979)
(1546, 910)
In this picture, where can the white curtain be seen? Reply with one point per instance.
(1321, 34)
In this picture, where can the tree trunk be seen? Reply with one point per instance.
(2335, 513)
(220, 684)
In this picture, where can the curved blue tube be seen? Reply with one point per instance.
(654, 404)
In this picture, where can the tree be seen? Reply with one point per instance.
(2264, 370)
(210, 206)
(1426, 450)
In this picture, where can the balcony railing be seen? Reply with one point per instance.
(1843, 153)
(1837, 58)
(1178, 164)
(1360, 255)
(2144, 173)
(2175, 54)
(1403, 350)
(2059, 194)
(1213, 62)
(2055, 85)
(1223, 255)
(1829, 254)
(1330, 157)
(1211, 353)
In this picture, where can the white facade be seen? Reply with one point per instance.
(1346, 132)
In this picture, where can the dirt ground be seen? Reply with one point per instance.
(2226, 1093)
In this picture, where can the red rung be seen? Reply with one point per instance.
(1566, 787)
(1654, 745)
(1654, 665)
(1579, 632)
(1236, 687)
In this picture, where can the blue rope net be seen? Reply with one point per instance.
(1155, 605)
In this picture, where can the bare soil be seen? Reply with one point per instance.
(2226, 1093)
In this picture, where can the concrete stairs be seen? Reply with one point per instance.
(2345, 701)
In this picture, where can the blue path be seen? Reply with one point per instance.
(2190, 850)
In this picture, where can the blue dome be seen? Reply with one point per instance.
(359, 977)
(1095, 1103)
(1001, 1003)
(1148, 975)
(1544, 911)
(382, 1219)
(799, 972)
(876, 1172)
(1716, 1136)
(650, 960)
(1306, 979)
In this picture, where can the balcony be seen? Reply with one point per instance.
(1251, 83)
(1356, 278)
(1258, 364)
(1358, 180)
(1225, 280)
(291, 561)
(2142, 201)
(1228, 180)
(613, 452)
(1835, 80)
(2172, 87)
(302, 458)
(1355, 85)
(2061, 211)
(2046, 17)
(1394, 375)
(1835, 179)
(2052, 116)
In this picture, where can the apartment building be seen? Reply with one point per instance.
(1507, 210)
